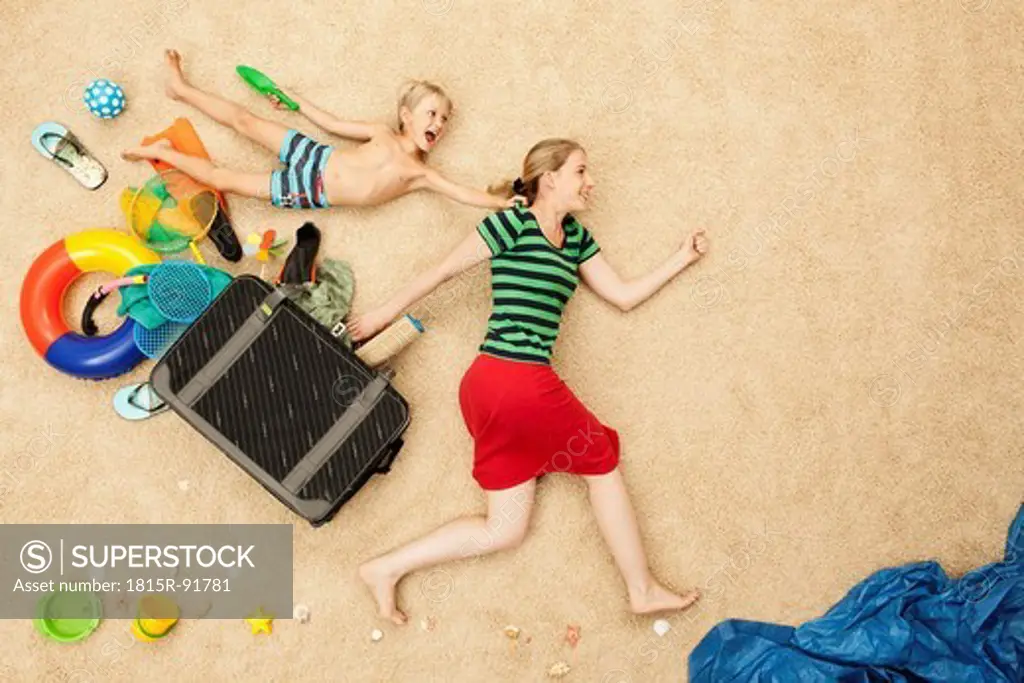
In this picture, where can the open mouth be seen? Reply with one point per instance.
(431, 137)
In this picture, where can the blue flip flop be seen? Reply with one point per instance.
(138, 402)
(58, 144)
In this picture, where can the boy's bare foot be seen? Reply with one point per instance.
(657, 598)
(145, 151)
(382, 586)
(175, 79)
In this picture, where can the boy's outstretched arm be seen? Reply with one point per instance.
(432, 180)
(354, 130)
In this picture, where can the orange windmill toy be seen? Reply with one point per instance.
(265, 246)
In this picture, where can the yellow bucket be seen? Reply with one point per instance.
(157, 616)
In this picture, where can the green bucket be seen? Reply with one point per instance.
(68, 616)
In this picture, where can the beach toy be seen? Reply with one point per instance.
(269, 237)
(170, 213)
(141, 208)
(261, 623)
(153, 294)
(264, 250)
(42, 299)
(68, 616)
(176, 222)
(184, 139)
(179, 291)
(157, 615)
(154, 342)
(254, 240)
(104, 98)
(263, 85)
(147, 208)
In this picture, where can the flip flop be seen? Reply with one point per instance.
(138, 402)
(57, 143)
(300, 266)
(262, 84)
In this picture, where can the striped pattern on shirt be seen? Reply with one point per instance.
(531, 281)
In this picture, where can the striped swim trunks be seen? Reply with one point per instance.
(301, 184)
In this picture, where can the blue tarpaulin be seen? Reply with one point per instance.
(905, 624)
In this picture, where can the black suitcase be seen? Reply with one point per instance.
(283, 398)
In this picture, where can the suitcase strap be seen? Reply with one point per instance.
(356, 412)
(243, 337)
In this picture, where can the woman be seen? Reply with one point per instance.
(524, 420)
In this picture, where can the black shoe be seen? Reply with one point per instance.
(223, 237)
(300, 266)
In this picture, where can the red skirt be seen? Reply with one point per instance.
(525, 422)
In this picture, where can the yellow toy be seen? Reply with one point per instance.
(261, 623)
(157, 616)
(107, 251)
(146, 206)
(178, 222)
(169, 223)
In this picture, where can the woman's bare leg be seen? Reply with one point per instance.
(617, 522)
(270, 134)
(203, 170)
(508, 515)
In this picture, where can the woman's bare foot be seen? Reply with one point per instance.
(382, 585)
(145, 151)
(657, 598)
(175, 79)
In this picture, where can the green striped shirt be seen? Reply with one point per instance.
(531, 281)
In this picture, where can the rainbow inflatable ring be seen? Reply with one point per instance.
(42, 303)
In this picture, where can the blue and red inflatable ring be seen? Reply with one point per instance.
(42, 303)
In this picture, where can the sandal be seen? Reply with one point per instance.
(56, 143)
(138, 402)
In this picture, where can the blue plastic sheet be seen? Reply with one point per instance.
(905, 624)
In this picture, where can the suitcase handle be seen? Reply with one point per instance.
(389, 456)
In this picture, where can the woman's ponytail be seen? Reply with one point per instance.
(546, 155)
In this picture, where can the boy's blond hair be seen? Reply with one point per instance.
(414, 92)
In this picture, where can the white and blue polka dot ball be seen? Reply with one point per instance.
(104, 98)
